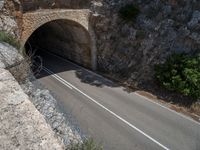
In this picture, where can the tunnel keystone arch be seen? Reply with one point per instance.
(34, 20)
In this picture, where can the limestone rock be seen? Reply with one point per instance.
(27, 126)
(21, 125)
(8, 55)
(133, 48)
(196, 37)
(194, 22)
(1, 4)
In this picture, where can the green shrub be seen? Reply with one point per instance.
(180, 73)
(129, 12)
(7, 38)
(88, 144)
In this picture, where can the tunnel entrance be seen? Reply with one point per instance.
(64, 38)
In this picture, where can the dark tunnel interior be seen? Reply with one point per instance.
(63, 38)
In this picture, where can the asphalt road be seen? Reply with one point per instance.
(119, 120)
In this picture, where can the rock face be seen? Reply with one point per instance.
(21, 124)
(7, 21)
(1, 4)
(8, 24)
(27, 122)
(130, 50)
(72, 4)
(8, 55)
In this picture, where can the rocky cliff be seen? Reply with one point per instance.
(31, 117)
(8, 18)
(21, 125)
(130, 50)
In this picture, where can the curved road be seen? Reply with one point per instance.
(112, 116)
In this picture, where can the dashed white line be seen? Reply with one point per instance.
(105, 108)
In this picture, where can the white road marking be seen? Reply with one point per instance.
(173, 111)
(149, 100)
(89, 71)
(57, 78)
(105, 108)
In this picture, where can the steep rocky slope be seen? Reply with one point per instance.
(21, 124)
(41, 108)
(130, 50)
(7, 18)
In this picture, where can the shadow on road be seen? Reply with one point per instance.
(58, 65)
(150, 89)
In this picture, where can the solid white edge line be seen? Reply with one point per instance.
(149, 100)
(173, 111)
(114, 114)
(55, 77)
(89, 71)
(58, 78)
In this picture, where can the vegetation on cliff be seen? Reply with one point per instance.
(180, 73)
(88, 144)
(129, 12)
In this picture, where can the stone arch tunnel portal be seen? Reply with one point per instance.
(65, 38)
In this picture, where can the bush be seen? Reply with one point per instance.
(180, 73)
(7, 38)
(88, 144)
(129, 12)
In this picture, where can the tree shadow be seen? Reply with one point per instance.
(94, 80)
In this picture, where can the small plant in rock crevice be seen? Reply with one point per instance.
(88, 144)
(8, 38)
(129, 12)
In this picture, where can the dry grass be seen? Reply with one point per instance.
(31, 64)
(88, 144)
(196, 108)
(21, 70)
